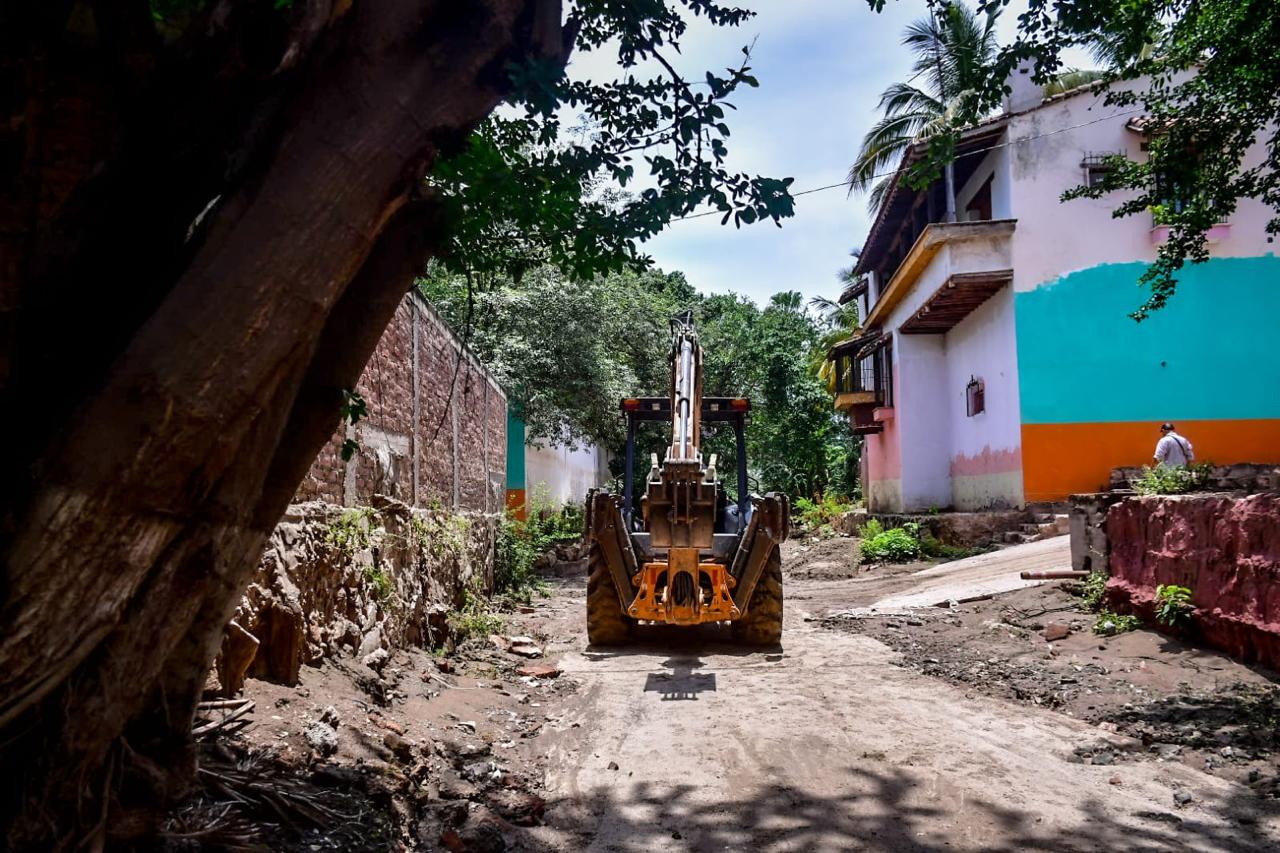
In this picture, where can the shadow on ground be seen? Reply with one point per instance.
(887, 816)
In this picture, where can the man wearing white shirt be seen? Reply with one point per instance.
(1172, 449)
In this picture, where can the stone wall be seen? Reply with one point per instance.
(378, 550)
(1225, 548)
(431, 438)
(1090, 547)
(1243, 477)
(962, 529)
(341, 582)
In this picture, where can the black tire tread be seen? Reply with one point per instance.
(761, 625)
(607, 625)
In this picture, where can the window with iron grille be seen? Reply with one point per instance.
(1096, 165)
(975, 394)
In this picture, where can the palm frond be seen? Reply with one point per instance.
(1072, 78)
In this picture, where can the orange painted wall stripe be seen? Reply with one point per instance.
(1063, 459)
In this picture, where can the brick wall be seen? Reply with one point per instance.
(414, 445)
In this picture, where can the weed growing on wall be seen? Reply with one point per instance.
(439, 534)
(1093, 591)
(380, 582)
(1173, 480)
(1173, 605)
(354, 530)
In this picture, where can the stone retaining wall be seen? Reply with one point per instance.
(339, 581)
(1242, 477)
(1225, 548)
(961, 529)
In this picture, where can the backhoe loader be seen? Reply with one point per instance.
(689, 555)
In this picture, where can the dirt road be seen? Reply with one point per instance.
(687, 743)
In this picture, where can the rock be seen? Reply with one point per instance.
(453, 788)
(330, 716)
(1114, 780)
(482, 772)
(485, 832)
(1182, 798)
(399, 747)
(1055, 631)
(472, 750)
(519, 807)
(1227, 752)
(376, 660)
(1103, 758)
(526, 650)
(239, 648)
(279, 629)
(613, 765)
(445, 665)
(321, 737)
(539, 670)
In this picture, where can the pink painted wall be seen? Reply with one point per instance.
(987, 462)
(1225, 550)
(882, 455)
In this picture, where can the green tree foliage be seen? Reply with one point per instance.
(569, 350)
(526, 191)
(1202, 74)
(952, 49)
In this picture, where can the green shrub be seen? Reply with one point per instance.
(1173, 605)
(475, 618)
(1093, 591)
(1173, 480)
(1109, 624)
(871, 529)
(815, 515)
(890, 546)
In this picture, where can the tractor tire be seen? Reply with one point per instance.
(607, 625)
(762, 623)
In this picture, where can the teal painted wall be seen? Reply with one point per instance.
(1211, 353)
(515, 451)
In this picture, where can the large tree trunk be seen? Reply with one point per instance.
(203, 240)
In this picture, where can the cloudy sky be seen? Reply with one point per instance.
(822, 65)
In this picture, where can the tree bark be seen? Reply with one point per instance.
(144, 490)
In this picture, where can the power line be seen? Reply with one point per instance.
(901, 169)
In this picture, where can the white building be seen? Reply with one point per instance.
(998, 364)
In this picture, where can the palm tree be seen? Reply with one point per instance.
(1072, 78)
(953, 50)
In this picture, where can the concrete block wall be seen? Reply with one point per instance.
(435, 434)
